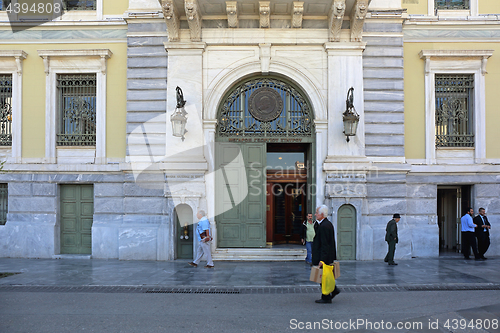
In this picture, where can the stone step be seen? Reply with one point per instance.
(266, 254)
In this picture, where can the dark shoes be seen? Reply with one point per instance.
(323, 301)
(193, 264)
(207, 266)
(392, 264)
(335, 292)
(385, 260)
(484, 258)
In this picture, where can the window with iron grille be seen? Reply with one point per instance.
(76, 109)
(5, 109)
(452, 4)
(454, 105)
(79, 5)
(4, 200)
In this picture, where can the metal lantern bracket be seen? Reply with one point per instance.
(350, 117)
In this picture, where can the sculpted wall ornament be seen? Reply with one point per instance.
(265, 104)
(265, 14)
(335, 20)
(358, 15)
(171, 19)
(232, 14)
(193, 15)
(298, 11)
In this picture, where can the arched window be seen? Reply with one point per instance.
(265, 106)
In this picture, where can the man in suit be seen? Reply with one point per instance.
(482, 232)
(323, 248)
(391, 237)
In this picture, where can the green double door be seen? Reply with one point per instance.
(77, 210)
(240, 194)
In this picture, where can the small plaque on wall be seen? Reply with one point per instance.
(410, 2)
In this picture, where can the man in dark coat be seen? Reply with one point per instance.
(482, 232)
(391, 237)
(324, 248)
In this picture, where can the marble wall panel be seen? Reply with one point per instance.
(108, 190)
(425, 241)
(383, 107)
(41, 189)
(386, 84)
(147, 73)
(422, 206)
(147, 51)
(15, 188)
(483, 190)
(384, 151)
(146, 41)
(148, 106)
(386, 206)
(32, 204)
(386, 190)
(105, 229)
(137, 242)
(421, 191)
(139, 95)
(103, 205)
(147, 27)
(384, 117)
(135, 190)
(144, 205)
(379, 139)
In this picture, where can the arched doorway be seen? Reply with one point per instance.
(346, 233)
(264, 152)
(183, 215)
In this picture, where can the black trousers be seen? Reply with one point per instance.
(330, 295)
(390, 252)
(483, 243)
(468, 241)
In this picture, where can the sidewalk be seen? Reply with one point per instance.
(433, 272)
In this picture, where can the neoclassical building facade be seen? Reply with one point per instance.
(126, 123)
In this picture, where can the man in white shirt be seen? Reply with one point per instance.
(468, 236)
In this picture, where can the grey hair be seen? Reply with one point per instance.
(202, 212)
(323, 209)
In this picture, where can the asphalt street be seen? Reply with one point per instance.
(403, 311)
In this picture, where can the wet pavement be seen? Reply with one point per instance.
(444, 272)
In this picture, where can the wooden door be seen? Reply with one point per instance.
(240, 194)
(77, 210)
(346, 233)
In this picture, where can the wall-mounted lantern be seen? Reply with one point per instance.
(179, 117)
(350, 117)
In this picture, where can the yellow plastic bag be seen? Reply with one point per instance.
(327, 280)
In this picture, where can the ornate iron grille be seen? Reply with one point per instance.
(235, 119)
(4, 200)
(5, 109)
(79, 4)
(454, 105)
(77, 109)
(452, 4)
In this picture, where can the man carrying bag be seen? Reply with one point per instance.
(324, 249)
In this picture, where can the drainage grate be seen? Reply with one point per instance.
(241, 290)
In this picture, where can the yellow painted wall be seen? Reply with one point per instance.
(489, 7)
(114, 7)
(418, 8)
(415, 96)
(33, 113)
